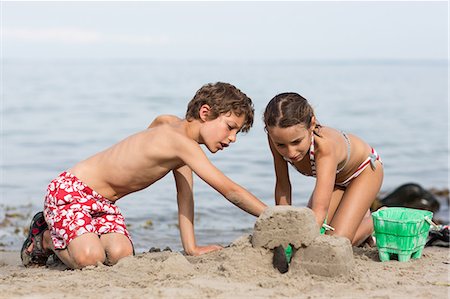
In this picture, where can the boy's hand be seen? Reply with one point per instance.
(199, 250)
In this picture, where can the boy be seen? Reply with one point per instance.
(84, 225)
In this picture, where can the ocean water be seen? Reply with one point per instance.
(54, 114)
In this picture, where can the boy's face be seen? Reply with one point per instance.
(218, 133)
(292, 142)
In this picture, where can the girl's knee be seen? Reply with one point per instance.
(342, 232)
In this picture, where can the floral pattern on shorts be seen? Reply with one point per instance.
(72, 208)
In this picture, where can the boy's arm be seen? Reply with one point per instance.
(191, 154)
(283, 189)
(184, 184)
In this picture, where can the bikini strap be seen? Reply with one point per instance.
(347, 140)
(311, 156)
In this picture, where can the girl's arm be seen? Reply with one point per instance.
(326, 164)
(184, 184)
(283, 189)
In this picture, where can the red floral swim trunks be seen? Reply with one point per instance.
(71, 209)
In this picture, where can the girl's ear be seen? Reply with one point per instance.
(313, 122)
(204, 112)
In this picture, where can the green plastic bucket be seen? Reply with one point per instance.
(401, 231)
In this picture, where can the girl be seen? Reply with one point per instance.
(349, 172)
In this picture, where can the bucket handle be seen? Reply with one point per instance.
(431, 222)
(327, 227)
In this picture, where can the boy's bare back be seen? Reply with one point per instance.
(137, 161)
(214, 117)
(168, 144)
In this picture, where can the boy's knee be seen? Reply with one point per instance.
(118, 252)
(89, 257)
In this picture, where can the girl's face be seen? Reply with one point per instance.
(292, 142)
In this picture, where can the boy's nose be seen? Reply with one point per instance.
(232, 138)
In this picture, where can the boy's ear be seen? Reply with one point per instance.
(204, 112)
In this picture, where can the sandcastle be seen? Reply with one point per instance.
(318, 254)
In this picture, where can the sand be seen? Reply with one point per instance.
(240, 270)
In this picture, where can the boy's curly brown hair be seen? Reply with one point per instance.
(222, 98)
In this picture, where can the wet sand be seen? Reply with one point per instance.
(237, 271)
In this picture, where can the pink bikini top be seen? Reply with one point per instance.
(313, 160)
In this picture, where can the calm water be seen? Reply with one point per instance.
(55, 114)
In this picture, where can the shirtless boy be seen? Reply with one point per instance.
(80, 222)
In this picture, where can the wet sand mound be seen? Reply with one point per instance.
(318, 254)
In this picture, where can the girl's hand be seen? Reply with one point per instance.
(199, 250)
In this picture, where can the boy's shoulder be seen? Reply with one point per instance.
(164, 119)
(170, 128)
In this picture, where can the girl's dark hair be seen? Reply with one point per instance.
(222, 98)
(288, 109)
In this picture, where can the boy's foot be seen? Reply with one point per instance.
(37, 255)
(279, 259)
(55, 263)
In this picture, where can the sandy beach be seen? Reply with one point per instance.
(237, 271)
(78, 77)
